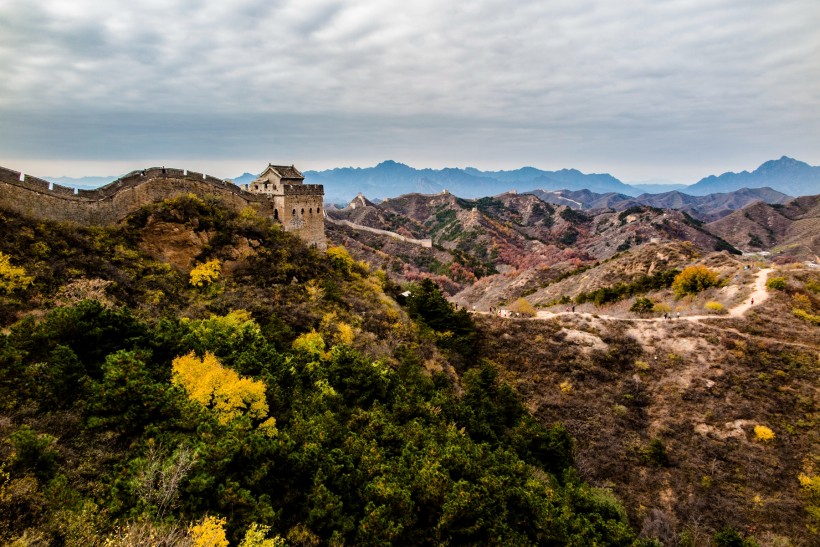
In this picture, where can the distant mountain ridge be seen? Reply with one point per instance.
(706, 208)
(786, 176)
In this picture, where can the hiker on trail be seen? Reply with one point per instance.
(678, 315)
(664, 316)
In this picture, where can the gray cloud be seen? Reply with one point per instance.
(652, 88)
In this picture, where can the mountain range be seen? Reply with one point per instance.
(706, 208)
(390, 178)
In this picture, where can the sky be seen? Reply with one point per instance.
(660, 90)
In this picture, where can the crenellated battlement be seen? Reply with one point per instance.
(304, 189)
(113, 202)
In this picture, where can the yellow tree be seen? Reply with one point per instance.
(222, 390)
(693, 279)
(205, 273)
(209, 532)
(12, 278)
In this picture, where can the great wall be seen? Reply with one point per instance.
(298, 207)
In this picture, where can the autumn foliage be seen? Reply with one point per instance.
(221, 389)
(12, 278)
(694, 279)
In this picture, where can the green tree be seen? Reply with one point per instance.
(642, 305)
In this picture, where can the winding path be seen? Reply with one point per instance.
(758, 296)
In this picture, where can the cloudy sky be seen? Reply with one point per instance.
(643, 89)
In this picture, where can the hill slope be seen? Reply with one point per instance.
(507, 234)
(790, 230)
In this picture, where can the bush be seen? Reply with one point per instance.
(204, 274)
(763, 433)
(655, 454)
(693, 280)
(731, 538)
(33, 452)
(523, 307)
(642, 305)
(12, 278)
(714, 307)
(776, 284)
(806, 316)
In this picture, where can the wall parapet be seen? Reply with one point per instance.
(304, 189)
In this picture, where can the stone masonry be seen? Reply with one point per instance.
(298, 208)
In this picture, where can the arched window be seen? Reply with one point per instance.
(276, 214)
(303, 211)
(294, 213)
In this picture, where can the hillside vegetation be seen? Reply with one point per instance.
(197, 374)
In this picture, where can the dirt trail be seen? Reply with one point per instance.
(758, 296)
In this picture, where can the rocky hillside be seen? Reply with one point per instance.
(705, 208)
(689, 421)
(790, 230)
(508, 234)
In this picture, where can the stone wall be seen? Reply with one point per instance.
(427, 243)
(303, 215)
(111, 203)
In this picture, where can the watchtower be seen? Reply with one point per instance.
(298, 206)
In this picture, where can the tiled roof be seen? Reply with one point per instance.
(287, 171)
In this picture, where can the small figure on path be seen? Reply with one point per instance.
(678, 315)
(664, 316)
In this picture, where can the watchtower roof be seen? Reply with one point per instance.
(283, 172)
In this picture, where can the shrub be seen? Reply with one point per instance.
(12, 278)
(660, 307)
(523, 307)
(694, 279)
(209, 532)
(655, 454)
(566, 387)
(642, 366)
(806, 316)
(203, 274)
(728, 537)
(776, 284)
(33, 452)
(714, 307)
(642, 305)
(763, 433)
